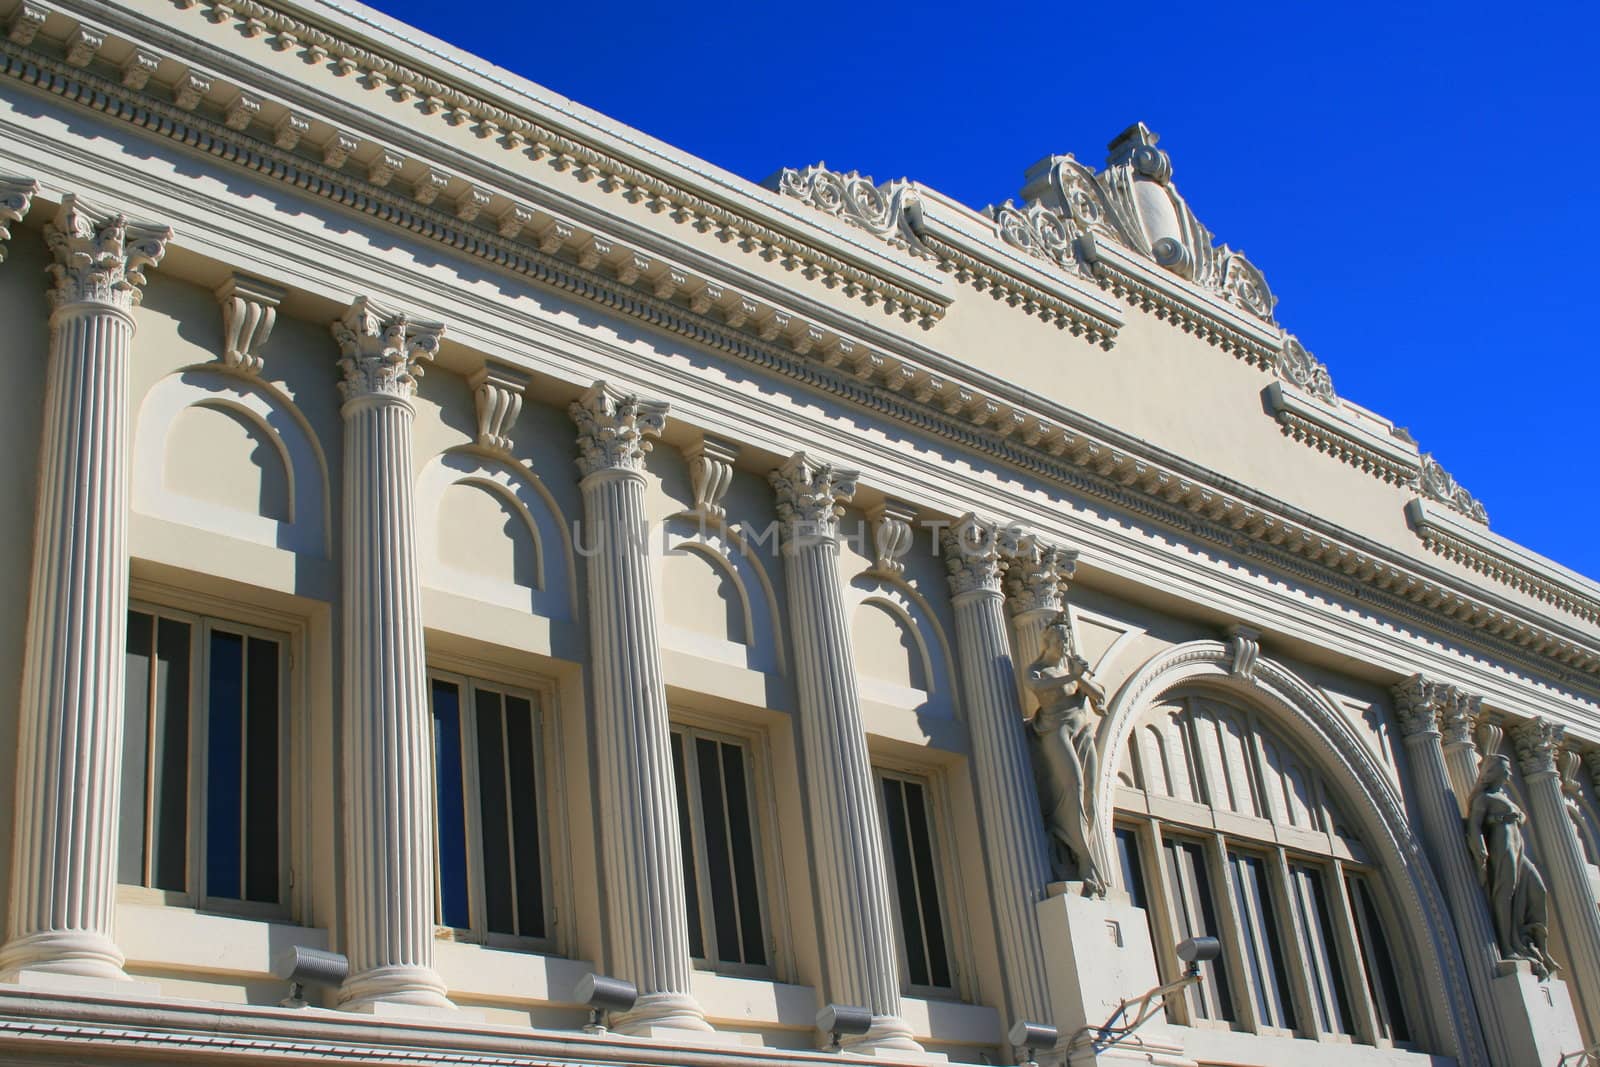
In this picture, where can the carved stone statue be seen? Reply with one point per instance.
(1515, 887)
(1070, 705)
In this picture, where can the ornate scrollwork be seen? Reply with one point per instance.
(1244, 285)
(879, 209)
(615, 428)
(381, 353)
(1436, 483)
(100, 258)
(1301, 369)
(1042, 232)
(810, 497)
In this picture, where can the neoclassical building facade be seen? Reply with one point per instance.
(456, 532)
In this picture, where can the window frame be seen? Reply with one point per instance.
(540, 693)
(204, 614)
(693, 728)
(951, 902)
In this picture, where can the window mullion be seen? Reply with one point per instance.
(199, 746)
(1158, 895)
(1231, 929)
(1305, 1007)
(152, 746)
(511, 825)
(727, 836)
(243, 763)
(1358, 990)
(471, 803)
(697, 835)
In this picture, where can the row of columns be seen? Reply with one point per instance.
(1442, 728)
(62, 894)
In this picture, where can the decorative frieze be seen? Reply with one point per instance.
(615, 428)
(382, 353)
(881, 210)
(16, 196)
(497, 391)
(100, 258)
(249, 309)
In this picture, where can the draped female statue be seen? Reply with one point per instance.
(1070, 705)
(1516, 889)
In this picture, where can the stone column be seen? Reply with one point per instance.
(860, 966)
(647, 919)
(1537, 744)
(1417, 704)
(390, 908)
(69, 737)
(1036, 585)
(1014, 846)
(1458, 715)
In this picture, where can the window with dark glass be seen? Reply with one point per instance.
(1314, 924)
(720, 860)
(488, 785)
(202, 759)
(1195, 915)
(1261, 946)
(1382, 983)
(913, 871)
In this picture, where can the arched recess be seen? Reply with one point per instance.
(902, 657)
(1366, 795)
(490, 530)
(232, 455)
(707, 561)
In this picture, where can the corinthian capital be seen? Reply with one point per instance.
(974, 554)
(100, 258)
(1536, 742)
(614, 428)
(381, 353)
(1417, 704)
(811, 497)
(16, 196)
(1458, 716)
(1037, 574)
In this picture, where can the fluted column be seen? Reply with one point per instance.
(647, 918)
(1014, 846)
(388, 767)
(69, 738)
(1417, 704)
(1036, 586)
(1537, 744)
(858, 933)
(1458, 715)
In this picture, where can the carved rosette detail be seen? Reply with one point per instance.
(100, 259)
(975, 555)
(16, 196)
(1436, 483)
(1037, 574)
(615, 429)
(381, 353)
(249, 310)
(710, 474)
(811, 496)
(497, 398)
(1537, 742)
(1417, 704)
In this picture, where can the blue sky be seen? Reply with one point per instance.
(1417, 182)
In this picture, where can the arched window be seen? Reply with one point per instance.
(1224, 829)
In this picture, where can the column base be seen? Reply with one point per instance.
(1538, 1018)
(662, 1011)
(62, 953)
(417, 992)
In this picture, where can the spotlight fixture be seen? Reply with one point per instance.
(301, 966)
(1031, 1037)
(837, 1020)
(603, 994)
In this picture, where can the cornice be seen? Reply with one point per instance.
(1327, 428)
(1453, 536)
(1020, 431)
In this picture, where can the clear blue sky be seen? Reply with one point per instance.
(1418, 183)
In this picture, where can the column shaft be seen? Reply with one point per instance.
(390, 908)
(851, 874)
(642, 855)
(69, 740)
